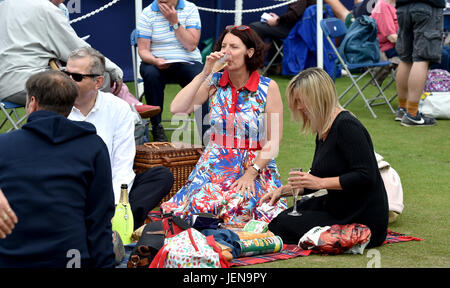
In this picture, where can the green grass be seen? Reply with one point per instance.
(421, 156)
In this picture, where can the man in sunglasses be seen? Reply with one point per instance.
(114, 122)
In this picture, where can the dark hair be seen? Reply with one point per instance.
(53, 90)
(251, 40)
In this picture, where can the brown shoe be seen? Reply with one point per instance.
(147, 111)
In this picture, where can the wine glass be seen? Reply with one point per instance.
(219, 65)
(295, 194)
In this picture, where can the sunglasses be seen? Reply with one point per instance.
(240, 28)
(77, 77)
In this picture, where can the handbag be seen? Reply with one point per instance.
(153, 237)
(189, 249)
(202, 221)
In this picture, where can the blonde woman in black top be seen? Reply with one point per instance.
(344, 164)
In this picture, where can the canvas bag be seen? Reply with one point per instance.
(392, 184)
(189, 249)
(153, 238)
(435, 104)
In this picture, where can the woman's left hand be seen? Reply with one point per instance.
(246, 184)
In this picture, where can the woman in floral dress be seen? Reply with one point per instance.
(237, 166)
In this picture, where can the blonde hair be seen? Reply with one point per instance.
(315, 91)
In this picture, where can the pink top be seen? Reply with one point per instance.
(385, 15)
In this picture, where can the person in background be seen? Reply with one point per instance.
(419, 44)
(361, 7)
(114, 121)
(279, 26)
(237, 166)
(56, 176)
(168, 33)
(385, 16)
(344, 164)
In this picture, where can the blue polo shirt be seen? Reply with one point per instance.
(164, 44)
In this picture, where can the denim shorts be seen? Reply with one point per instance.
(420, 33)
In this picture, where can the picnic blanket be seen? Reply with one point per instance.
(292, 251)
(288, 251)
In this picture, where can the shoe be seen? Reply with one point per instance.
(418, 120)
(147, 111)
(158, 134)
(399, 113)
(393, 216)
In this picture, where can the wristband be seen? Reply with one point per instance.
(257, 168)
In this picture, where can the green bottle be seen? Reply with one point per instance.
(123, 221)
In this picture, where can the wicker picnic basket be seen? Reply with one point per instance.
(180, 158)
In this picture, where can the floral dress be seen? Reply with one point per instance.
(237, 120)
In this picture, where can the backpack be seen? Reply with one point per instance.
(189, 249)
(360, 44)
(438, 80)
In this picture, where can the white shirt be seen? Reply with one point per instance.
(114, 121)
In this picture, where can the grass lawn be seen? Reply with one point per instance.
(421, 156)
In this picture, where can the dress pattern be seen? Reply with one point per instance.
(239, 114)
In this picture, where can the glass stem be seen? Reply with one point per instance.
(295, 202)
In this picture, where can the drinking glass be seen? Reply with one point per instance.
(219, 65)
(295, 194)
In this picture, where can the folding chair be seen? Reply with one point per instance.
(138, 80)
(279, 51)
(384, 87)
(9, 109)
(333, 28)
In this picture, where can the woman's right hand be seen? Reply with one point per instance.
(211, 59)
(8, 218)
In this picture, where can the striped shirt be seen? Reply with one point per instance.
(164, 43)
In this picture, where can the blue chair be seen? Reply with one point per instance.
(134, 53)
(9, 109)
(334, 28)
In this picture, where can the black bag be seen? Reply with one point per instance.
(202, 221)
(152, 239)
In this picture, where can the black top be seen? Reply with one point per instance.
(348, 152)
(434, 3)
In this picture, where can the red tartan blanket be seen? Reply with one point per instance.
(292, 251)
